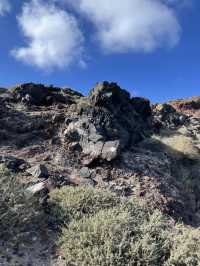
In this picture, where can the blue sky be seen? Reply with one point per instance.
(150, 47)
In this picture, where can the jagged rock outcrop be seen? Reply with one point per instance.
(166, 116)
(40, 95)
(106, 122)
(106, 139)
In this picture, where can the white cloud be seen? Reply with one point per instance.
(131, 25)
(4, 7)
(52, 34)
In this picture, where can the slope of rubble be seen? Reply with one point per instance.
(52, 137)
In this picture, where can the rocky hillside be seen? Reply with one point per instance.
(188, 106)
(52, 137)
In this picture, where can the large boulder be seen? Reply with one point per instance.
(108, 95)
(106, 122)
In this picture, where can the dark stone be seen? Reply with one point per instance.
(11, 162)
(142, 106)
(108, 95)
(166, 116)
(39, 95)
(109, 122)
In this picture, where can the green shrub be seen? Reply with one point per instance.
(185, 248)
(20, 214)
(102, 239)
(152, 245)
(127, 234)
(70, 203)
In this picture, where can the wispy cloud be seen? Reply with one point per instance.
(131, 25)
(53, 38)
(5, 7)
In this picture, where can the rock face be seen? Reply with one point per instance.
(32, 94)
(107, 122)
(189, 106)
(166, 116)
(106, 139)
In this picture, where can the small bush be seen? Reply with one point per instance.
(20, 214)
(152, 246)
(126, 234)
(185, 248)
(70, 203)
(102, 239)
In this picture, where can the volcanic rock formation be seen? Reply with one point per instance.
(108, 139)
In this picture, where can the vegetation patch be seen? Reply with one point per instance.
(113, 237)
(21, 217)
(126, 233)
(72, 203)
(185, 249)
(97, 228)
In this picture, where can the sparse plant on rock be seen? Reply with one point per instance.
(74, 203)
(185, 249)
(21, 217)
